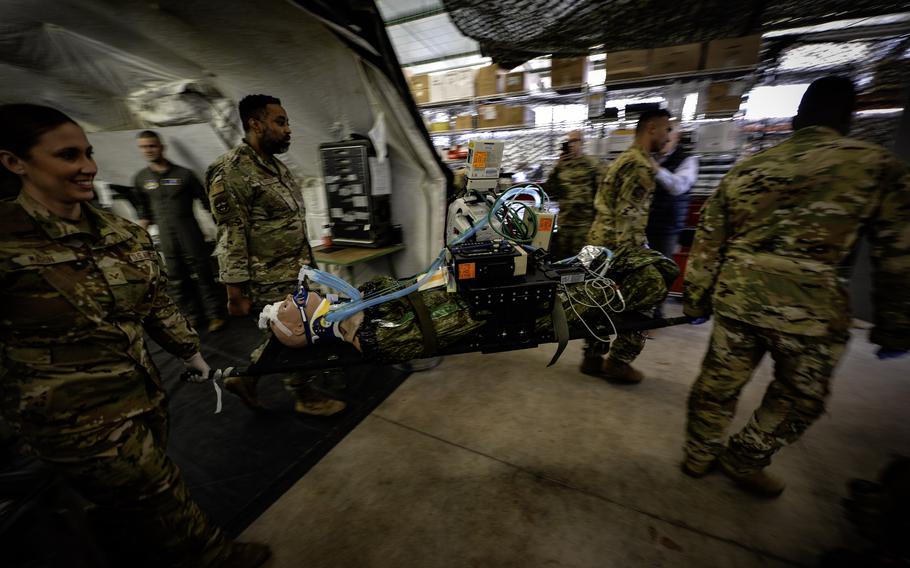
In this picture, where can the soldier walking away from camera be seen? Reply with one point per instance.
(765, 264)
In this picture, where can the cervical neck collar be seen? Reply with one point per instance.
(317, 327)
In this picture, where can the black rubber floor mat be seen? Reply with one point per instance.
(237, 463)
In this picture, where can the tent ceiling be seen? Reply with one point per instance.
(520, 30)
(421, 31)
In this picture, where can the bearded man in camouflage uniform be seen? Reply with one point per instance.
(262, 239)
(765, 262)
(573, 182)
(622, 203)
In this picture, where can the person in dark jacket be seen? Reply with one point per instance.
(677, 171)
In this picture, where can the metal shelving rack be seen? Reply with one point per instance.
(546, 137)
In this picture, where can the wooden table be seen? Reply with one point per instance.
(349, 257)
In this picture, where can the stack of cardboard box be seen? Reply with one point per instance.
(487, 81)
(492, 116)
(420, 88)
(720, 54)
(465, 122)
(724, 97)
(568, 72)
(733, 52)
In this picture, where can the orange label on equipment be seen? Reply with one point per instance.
(546, 225)
(466, 271)
(480, 160)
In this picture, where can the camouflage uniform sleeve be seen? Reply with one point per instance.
(707, 254)
(889, 236)
(597, 235)
(641, 184)
(599, 172)
(165, 323)
(551, 186)
(230, 198)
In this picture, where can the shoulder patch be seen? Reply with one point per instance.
(216, 185)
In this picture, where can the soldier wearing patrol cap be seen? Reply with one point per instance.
(262, 239)
(573, 182)
(765, 262)
(166, 193)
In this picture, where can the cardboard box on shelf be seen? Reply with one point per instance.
(452, 85)
(628, 64)
(487, 81)
(515, 82)
(437, 87)
(464, 122)
(459, 84)
(733, 52)
(718, 137)
(724, 97)
(620, 140)
(568, 71)
(518, 115)
(440, 126)
(676, 59)
(488, 116)
(492, 116)
(420, 88)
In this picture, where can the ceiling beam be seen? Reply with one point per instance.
(414, 17)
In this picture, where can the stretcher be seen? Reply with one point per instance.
(277, 358)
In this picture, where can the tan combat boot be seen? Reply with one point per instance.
(245, 389)
(314, 403)
(758, 482)
(621, 372)
(247, 555)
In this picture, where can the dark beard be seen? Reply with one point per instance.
(277, 146)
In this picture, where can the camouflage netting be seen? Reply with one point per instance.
(519, 30)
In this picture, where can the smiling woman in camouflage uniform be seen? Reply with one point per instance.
(79, 288)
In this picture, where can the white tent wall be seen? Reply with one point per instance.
(270, 47)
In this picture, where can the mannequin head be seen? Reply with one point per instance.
(286, 322)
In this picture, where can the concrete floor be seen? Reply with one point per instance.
(497, 461)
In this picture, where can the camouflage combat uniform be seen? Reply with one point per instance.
(77, 381)
(391, 332)
(573, 182)
(765, 263)
(622, 204)
(258, 207)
